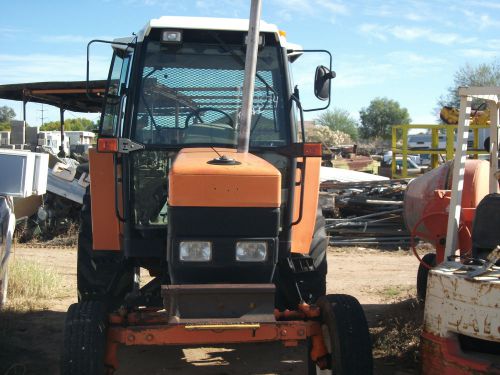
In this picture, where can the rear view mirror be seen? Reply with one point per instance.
(322, 82)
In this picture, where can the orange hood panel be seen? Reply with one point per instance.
(196, 183)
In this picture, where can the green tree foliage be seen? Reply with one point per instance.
(486, 74)
(340, 120)
(6, 114)
(378, 118)
(70, 124)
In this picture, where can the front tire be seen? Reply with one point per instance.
(313, 285)
(346, 336)
(84, 339)
(423, 275)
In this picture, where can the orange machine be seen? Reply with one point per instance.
(426, 205)
(221, 212)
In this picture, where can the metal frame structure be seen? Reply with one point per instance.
(492, 96)
(434, 151)
(149, 327)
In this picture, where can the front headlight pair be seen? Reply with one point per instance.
(201, 251)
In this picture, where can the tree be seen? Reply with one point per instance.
(327, 136)
(468, 75)
(71, 124)
(6, 114)
(341, 120)
(378, 118)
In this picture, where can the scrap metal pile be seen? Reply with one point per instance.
(365, 213)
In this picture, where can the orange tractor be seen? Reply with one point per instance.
(200, 177)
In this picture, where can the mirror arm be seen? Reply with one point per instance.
(331, 75)
(329, 67)
(88, 59)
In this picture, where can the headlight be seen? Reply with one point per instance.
(251, 251)
(195, 251)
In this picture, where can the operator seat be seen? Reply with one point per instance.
(486, 226)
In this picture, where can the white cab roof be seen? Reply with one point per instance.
(203, 23)
(208, 23)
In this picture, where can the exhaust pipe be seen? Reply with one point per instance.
(249, 81)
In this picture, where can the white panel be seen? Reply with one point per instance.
(23, 173)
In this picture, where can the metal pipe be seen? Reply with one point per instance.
(365, 216)
(249, 81)
(24, 116)
(494, 116)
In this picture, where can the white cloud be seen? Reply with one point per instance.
(291, 9)
(49, 67)
(358, 70)
(9, 32)
(484, 4)
(373, 30)
(223, 8)
(479, 53)
(334, 7)
(69, 38)
(407, 33)
(412, 57)
(415, 17)
(381, 10)
(382, 32)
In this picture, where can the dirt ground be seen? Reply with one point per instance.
(383, 281)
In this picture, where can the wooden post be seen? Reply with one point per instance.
(458, 175)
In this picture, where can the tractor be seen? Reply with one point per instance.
(222, 213)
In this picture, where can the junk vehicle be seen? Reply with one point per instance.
(221, 211)
(457, 207)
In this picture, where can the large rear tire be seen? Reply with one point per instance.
(346, 335)
(423, 275)
(84, 339)
(102, 275)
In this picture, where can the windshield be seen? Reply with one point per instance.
(191, 95)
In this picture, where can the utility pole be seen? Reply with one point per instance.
(42, 111)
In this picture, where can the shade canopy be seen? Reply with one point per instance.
(70, 96)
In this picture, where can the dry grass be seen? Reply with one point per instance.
(397, 293)
(31, 285)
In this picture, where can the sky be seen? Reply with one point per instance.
(407, 51)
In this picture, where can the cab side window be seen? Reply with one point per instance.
(117, 81)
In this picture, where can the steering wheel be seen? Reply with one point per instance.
(197, 114)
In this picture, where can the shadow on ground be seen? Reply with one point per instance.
(30, 343)
(395, 330)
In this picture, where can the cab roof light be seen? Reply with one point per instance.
(282, 33)
(171, 36)
(261, 40)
